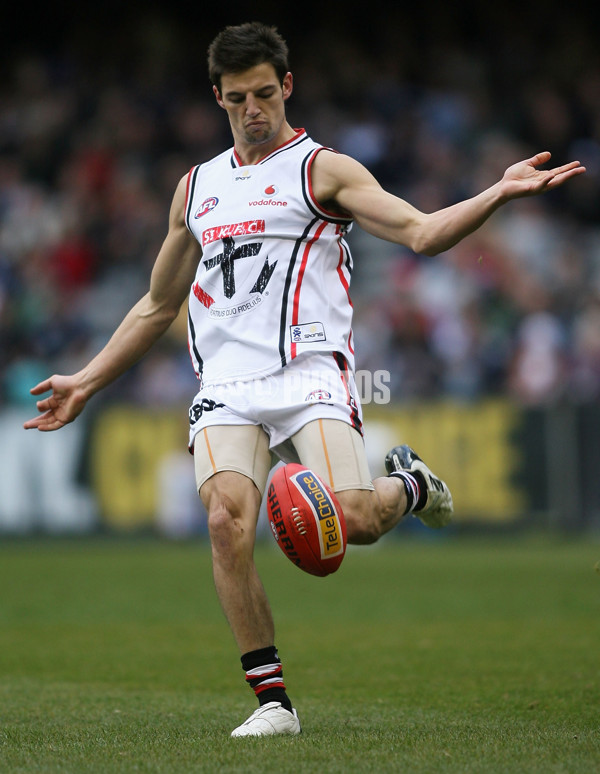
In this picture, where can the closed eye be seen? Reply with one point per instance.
(237, 98)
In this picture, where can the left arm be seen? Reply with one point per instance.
(341, 180)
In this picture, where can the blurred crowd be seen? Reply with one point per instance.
(90, 155)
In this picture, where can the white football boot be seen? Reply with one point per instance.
(438, 508)
(268, 720)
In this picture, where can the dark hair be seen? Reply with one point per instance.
(239, 48)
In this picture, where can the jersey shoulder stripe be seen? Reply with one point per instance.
(189, 194)
(309, 197)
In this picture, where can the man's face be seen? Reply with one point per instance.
(255, 103)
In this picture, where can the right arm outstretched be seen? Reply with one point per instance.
(172, 276)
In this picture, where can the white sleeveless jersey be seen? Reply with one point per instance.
(273, 281)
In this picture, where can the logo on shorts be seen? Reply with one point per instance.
(206, 404)
(307, 333)
(318, 396)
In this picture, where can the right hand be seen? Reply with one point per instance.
(65, 403)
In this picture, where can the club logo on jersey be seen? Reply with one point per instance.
(324, 512)
(206, 206)
(232, 230)
(307, 333)
(227, 261)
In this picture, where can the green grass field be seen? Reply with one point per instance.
(444, 655)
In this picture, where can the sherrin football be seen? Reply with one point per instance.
(306, 520)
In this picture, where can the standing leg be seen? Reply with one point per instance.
(232, 500)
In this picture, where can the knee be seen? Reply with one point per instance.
(232, 537)
(232, 506)
(362, 531)
(363, 525)
(223, 525)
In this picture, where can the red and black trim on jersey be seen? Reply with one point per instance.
(290, 304)
(346, 260)
(344, 367)
(298, 138)
(196, 359)
(189, 194)
(322, 217)
(312, 233)
(283, 325)
(307, 190)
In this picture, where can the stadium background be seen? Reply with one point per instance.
(493, 348)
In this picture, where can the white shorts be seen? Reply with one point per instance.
(308, 415)
(312, 387)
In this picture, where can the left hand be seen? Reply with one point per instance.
(525, 179)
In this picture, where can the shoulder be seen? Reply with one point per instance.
(217, 163)
(224, 158)
(181, 198)
(328, 161)
(180, 194)
(332, 172)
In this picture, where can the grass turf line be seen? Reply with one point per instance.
(417, 656)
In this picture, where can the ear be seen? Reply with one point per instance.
(287, 86)
(218, 97)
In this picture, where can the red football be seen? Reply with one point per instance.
(306, 519)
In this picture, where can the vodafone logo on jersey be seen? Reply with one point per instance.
(206, 206)
(269, 192)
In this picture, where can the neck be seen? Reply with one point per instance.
(251, 153)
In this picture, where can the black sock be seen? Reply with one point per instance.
(422, 499)
(264, 674)
(414, 486)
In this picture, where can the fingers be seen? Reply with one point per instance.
(540, 158)
(31, 424)
(46, 404)
(572, 165)
(47, 419)
(57, 409)
(45, 422)
(42, 387)
(546, 179)
(562, 174)
(48, 426)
